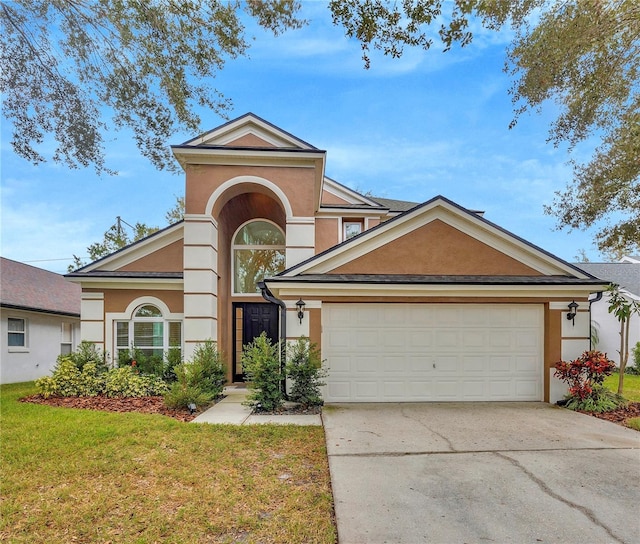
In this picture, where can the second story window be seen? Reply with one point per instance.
(258, 252)
(351, 229)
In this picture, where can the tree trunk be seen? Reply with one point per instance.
(624, 351)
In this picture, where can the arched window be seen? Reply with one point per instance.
(148, 332)
(258, 252)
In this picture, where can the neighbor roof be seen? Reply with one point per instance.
(26, 287)
(626, 274)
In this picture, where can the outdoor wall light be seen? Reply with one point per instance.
(573, 308)
(192, 407)
(300, 305)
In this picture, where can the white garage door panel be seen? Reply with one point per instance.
(432, 352)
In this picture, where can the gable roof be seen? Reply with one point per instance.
(26, 287)
(450, 213)
(132, 252)
(249, 123)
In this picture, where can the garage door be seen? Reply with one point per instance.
(432, 352)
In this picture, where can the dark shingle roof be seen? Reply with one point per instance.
(395, 205)
(435, 279)
(30, 288)
(627, 275)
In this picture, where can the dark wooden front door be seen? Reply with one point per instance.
(250, 320)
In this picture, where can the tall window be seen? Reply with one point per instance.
(66, 340)
(258, 252)
(148, 332)
(17, 332)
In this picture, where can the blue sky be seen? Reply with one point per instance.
(429, 123)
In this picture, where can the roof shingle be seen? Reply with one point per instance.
(30, 288)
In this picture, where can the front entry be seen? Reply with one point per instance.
(250, 320)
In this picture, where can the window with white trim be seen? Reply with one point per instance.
(258, 251)
(351, 229)
(149, 332)
(66, 338)
(17, 329)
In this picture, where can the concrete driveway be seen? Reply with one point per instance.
(455, 473)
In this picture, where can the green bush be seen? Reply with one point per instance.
(155, 365)
(261, 365)
(126, 382)
(68, 380)
(87, 352)
(208, 368)
(198, 381)
(599, 400)
(185, 391)
(636, 357)
(304, 367)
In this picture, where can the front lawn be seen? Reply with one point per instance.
(631, 386)
(85, 476)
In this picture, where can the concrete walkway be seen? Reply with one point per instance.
(231, 411)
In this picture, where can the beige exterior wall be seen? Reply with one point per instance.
(436, 248)
(327, 231)
(167, 259)
(202, 180)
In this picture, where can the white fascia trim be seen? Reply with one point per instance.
(253, 157)
(301, 220)
(248, 125)
(295, 289)
(200, 218)
(345, 193)
(92, 296)
(138, 249)
(163, 284)
(350, 212)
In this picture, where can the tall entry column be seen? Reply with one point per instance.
(200, 281)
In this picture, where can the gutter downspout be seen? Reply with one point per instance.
(591, 301)
(269, 297)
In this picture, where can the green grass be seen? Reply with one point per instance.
(634, 423)
(631, 386)
(86, 476)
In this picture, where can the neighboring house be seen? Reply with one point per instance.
(626, 274)
(408, 302)
(40, 315)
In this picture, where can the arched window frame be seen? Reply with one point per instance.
(125, 333)
(262, 247)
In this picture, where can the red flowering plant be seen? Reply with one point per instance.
(585, 376)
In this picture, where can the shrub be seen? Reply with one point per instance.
(585, 376)
(208, 368)
(304, 367)
(87, 352)
(599, 400)
(125, 382)
(198, 381)
(261, 365)
(184, 391)
(69, 381)
(636, 358)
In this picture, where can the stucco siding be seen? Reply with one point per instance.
(436, 248)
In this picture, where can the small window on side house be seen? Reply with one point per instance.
(66, 340)
(17, 332)
(351, 229)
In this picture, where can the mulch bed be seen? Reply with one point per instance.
(142, 405)
(620, 415)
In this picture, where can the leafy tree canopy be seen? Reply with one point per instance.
(582, 54)
(148, 63)
(66, 62)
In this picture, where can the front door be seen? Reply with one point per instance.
(250, 320)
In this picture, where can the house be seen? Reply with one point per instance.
(406, 302)
(626, 274)
(40, 316)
